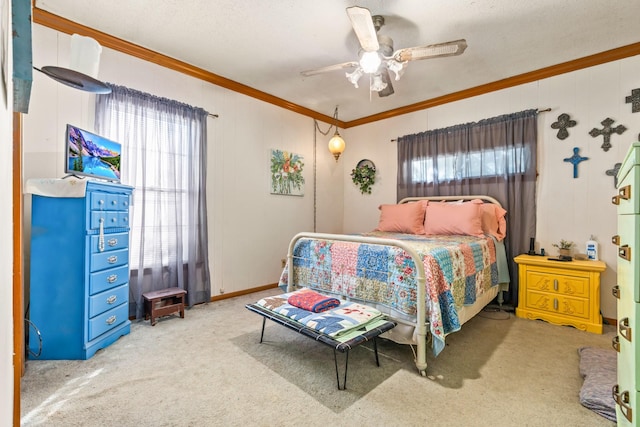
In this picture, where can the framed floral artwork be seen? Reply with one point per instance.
(286, 173)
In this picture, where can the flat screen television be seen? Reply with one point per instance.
(92, 155)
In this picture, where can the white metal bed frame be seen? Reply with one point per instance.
(421, 320)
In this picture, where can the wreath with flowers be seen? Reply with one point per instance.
(364, 176)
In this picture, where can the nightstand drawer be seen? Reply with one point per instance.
(558, 304)
(575, 286)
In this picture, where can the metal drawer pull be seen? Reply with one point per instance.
(112, 242)
(625, 330)
(112, 259)
(101, 202)
(112, 278)
(616, 240)
(615, 343)
(113, 202)
(616, 291)
(625, 192)
(555, 284)
(615, 200)
(111, 320)
(624, 252)
(623, 401)
(114, 219)
(555, 304)
(112, 299)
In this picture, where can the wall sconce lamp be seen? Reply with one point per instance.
(336, 143)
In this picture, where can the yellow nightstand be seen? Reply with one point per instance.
(563, 293)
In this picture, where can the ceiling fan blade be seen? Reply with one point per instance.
(362, 24)
(329, 68)
(389, 89)
(438, 50)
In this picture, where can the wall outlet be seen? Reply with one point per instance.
(283, 262)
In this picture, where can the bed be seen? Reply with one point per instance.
(434, 250)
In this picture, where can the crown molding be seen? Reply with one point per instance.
(64, 25)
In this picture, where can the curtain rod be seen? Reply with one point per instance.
(215, 116)
(539, 111)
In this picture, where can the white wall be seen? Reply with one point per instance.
(6, 224)
(567, 208)
(249, 228)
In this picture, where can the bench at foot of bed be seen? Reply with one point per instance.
(344, 343)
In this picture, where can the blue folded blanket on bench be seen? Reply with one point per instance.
(340, 320)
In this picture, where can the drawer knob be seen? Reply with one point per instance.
(112, 259)
(112, 278)
(112, 299)
(624, 252)
(555, 284)
(615, 343)
(615, 200)
(622, 399)
(112, 242)
(625, 192)
(616, 240)
(555, 303)
(111, 320)
(624, 328)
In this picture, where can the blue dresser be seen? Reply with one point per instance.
(626, 392)
(79, 275)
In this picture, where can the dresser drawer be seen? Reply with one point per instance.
(628, 199)
(109, 259)
(110, 219)
(629, 242)
(557, 304)
(112, 242)
(107, 279)
(628, 371)
(108, 320)
(109, 201)
(561, 284)
(108, 299)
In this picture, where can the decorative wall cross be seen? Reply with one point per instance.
(575, 159)
(606, 132)
(614, 173)
(562, 124)
(634, 100)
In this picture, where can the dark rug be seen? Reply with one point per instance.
(309, 365)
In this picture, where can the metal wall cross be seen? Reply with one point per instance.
(606, 132)
(634, 100)
(562, 124)
(575, 159)
(614, 173)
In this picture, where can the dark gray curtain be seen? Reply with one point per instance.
(164, 158)
(495, 157)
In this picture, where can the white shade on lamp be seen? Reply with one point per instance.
(336, 145)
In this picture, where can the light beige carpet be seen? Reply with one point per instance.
(209, 370)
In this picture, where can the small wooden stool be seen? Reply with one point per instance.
(163, 302)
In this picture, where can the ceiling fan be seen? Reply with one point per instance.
(377, 57)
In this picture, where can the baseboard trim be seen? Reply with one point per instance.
(243, 292)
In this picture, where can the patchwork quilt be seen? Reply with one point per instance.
(335, 322)
(458, 269)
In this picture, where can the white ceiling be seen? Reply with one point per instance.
(266, 44)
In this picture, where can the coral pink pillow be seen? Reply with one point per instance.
(404, 218)
(453, 218)
(493, 220)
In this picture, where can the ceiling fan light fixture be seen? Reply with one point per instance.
(376, 83)
(396, 67)
(370, 62)
(355, 76)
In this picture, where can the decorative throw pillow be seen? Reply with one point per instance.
(404, 218)
(453, 218)
(493, 220)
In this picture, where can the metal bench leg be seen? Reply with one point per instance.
(375, 350)
(264, 320)
(346, 365)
